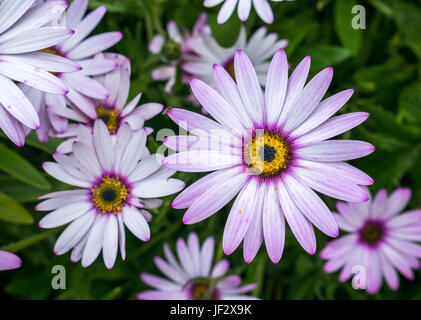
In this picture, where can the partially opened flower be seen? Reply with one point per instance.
(9, 261)
(114, 111)
(262, 7)
(204, 52)
(272, 150)
(117, 181)
(192, 276)
(22, 35)
(380, 242)
(81, 49)
(172, 51)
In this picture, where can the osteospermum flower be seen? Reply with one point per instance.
(192, 276)
(114, 111)
(204, 52)
(272, 150)
(262, 7)
(82, 50)
(9, 261)
(22, 35)
(380, 240)
(117, 182)
(172, 50)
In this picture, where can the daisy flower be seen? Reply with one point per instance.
(272, 150)
(22, 35)
(263, 9)
(114, 111)
(9, 261)
(172, 50)
(204, 52)
(192, 276)
(80, 49)
(380, 240)
(116, 184)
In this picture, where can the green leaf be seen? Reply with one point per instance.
(410, 104)
(225, 34)
(12, 211)
(48, 147)
(349, 37)
(18, 167)
(323, 56)
(408, 19)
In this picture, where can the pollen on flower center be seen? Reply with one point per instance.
(266, 153)
(200, 291)
(110, 195)
(50, 50)
(372, 233)
(111, 117)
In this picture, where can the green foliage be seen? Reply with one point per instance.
(382, 64)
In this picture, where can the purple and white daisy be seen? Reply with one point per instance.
(191, 276)
(379, 239)
(82, 50)
(262, 7)
(117, 182)
(114, 111)
(23, 33)
(9, 261)
(173, 50)
(204, 52)
(273, 150)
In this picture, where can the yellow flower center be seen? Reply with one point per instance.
(111, 117)
(266, 153)
(230, 69)
(50, 50)
(110, 195)
(199, 291)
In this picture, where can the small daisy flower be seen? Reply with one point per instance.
(204, 52)
(114, 111)
(81, 49)
(379, 239)
(263, 9)
(116, 185)
(23, 33)
(172, 51)
(191, 276)
(9, 261)
(272, 150)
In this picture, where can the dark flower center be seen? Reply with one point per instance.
(172, 50)
(267, 153)
(109, 195)
(372, 233)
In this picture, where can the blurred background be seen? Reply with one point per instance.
(382, 63)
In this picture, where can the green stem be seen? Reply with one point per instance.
(156, 239)
(17, 246)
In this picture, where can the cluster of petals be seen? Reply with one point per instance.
(96, 157)
(24, 31)
(293, 111)
(380, 241)
(262, 7)
(193, 274)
